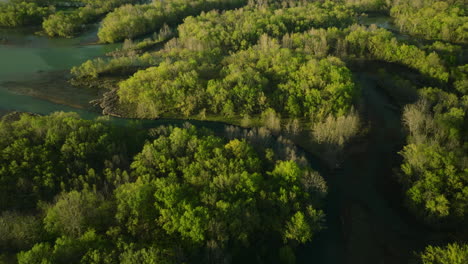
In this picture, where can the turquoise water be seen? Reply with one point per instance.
(38, 66)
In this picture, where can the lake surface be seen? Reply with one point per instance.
(38, 67)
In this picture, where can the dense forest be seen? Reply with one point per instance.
(292, 73)
(171, 195)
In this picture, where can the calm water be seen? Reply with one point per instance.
(38, 66)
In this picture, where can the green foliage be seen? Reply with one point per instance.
(369, 43)
(65, 250)
(336, 131)
(214, 193)
(320, 88)
(271, 120)
(130, 21)
(380, 44)
(92, 69)
(151, 255)
(434, 20)
(451, 254)
(62, 24)
(135, 209)
(41, 156)
(19, 232)
(190, 196)
(250, 81)
(297, 79)
(435, 175)
(75, 212)
(242, 28)
(369, 5)
(451, 54)
(438, 185)
(460, 75)
(22, 14)
(168, 87)
(39, 254)
(70, 23)
(297, 229)
(127, 60)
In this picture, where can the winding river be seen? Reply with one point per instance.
(363, 225)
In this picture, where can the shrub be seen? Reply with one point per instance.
(336, 130)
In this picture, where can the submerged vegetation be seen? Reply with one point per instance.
(77, 191)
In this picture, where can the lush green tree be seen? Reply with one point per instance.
(266, 75)
(434, 171)
(380, 6)
(214, 194)
(242, 28)
(250, 81)
(69, 24)
(381, 44)
(336, 131)
(320, 88)
(62, 24)
(150, 255)
(191, 197)
(170, 87)
(41, 156)
(434, 20)
(75, 212)
(451, 254)
(460, 76)
(39, 254)
(131, 21)
(22, 14)
(19, 232)
(64, 250)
